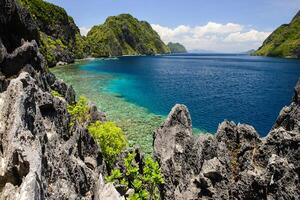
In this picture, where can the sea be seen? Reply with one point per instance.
(138, 92)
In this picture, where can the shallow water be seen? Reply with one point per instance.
(138, 92)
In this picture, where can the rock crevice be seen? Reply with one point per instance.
(235, 163)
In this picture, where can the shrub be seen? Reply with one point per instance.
(145, 183)
(56, 93)
(110, 138)
(79, 111)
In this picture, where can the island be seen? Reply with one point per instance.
(284, 41)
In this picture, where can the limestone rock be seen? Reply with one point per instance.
(21, 56)
(41, 156)
(235, 163)
(16, 24)
(67, 91)
(107, 191)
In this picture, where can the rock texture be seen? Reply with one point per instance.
(41, 156)
(235, 163)
(18, 21)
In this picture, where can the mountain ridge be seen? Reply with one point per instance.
(284, 41)
(124, 35)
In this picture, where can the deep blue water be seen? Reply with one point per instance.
(214, 87)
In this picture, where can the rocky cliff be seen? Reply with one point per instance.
(41, 155)
(125, 35)
(235, 163)
(58, 33)
(284, 41)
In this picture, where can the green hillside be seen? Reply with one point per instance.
(124, 35)
(60, 37)
(176, 48)
(284, 41)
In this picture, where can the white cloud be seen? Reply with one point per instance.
(84, 31)
(252, 35)
(213, 36)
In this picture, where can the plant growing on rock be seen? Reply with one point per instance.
(79, 111)
(110, 138)
(56, 93)
(145, 182)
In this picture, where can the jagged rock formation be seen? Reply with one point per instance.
(235, 163)
(284, 41)
(13, 18)
(41, 156)
(124, 35)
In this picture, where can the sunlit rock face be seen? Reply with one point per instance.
(41, 156)
(235, 163)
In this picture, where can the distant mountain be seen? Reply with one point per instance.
(284, 41)
(250, 52)
(124, 35)
(177, 48)
(201, 51)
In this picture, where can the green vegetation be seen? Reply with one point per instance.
(80, 111)
(176, 48)
(59, 34)
(124, 35)
(284, 41)
(144, 177)
(110, 138)
(56, 93)
(119, 35)
(81, 48)
(45, 12)
(145, 182)
(49, 46)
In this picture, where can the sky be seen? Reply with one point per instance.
(212, 25)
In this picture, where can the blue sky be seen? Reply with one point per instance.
(199, 24)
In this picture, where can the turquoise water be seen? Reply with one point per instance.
(138, 92)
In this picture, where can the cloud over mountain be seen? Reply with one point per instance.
(213, 36)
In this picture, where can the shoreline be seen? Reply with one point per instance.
(136, 121)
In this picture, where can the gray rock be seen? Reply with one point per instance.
(2, 52)
(41, 156)
(65, 90)
(106, 191)
(21, 56)
(95, 114)
(12, 18)
(60, 63)
(235, 163)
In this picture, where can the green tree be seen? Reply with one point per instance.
(110, 138)
(79, 111)
(145, 182)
